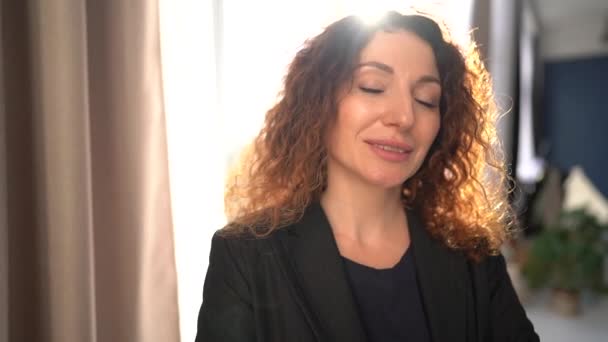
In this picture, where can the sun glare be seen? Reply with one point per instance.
(455, 14)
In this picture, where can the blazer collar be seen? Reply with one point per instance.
(319, 276)
(442, 278)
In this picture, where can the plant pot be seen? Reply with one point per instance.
(566, 302)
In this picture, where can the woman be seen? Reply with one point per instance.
(372, 204)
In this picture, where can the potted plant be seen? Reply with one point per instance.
(568, 257)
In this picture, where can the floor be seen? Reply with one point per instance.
(590, 326)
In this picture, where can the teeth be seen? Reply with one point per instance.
(390, 148)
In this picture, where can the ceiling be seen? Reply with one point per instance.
(551, 11)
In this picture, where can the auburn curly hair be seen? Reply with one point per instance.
(461, 189)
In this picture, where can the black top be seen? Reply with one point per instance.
(389, 301)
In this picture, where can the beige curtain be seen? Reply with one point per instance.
(3, 208)
(89, 253)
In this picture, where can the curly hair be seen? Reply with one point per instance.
(460, 191)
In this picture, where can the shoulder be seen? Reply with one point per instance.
(499, 302)
(489, 264)
(232, 242)
(491, 273)
(236, 234)
(237, 242)
(492, 264)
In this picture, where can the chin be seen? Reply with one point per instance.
(387, 181)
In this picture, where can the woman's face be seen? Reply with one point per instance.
(388, 120)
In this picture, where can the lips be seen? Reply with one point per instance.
(390, 145)
(390, 150)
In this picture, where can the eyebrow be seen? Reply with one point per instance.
(388, 69)
(377, 65)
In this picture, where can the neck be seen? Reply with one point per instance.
(362, 211)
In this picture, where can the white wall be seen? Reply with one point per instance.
(501, 63)
(573, 37)
(529, 167)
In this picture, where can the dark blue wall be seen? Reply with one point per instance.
(576, 116)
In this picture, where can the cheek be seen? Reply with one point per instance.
(355, 113)
(430, 129)
(435, 134)
(337, 137)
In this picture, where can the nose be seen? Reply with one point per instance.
(401, 111)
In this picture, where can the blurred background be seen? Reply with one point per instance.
(119, 119)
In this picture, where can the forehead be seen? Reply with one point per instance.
(402, 50)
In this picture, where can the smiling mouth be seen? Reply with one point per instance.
(390, 146)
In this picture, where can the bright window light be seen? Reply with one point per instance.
(455, 14)
(195, 143)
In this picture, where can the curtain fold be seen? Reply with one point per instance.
(23, 248)
(63, 171)
(3, 206)
(89, 226)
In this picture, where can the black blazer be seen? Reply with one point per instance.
(292, 286)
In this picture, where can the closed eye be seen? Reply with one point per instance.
(427, 104)
(371, 90)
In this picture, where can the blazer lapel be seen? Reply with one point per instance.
(442, 280)
(318, 275)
